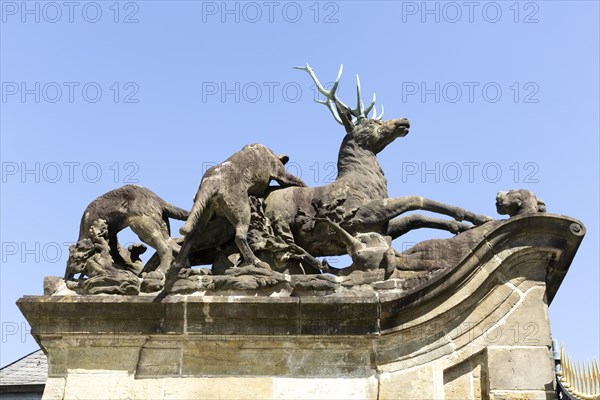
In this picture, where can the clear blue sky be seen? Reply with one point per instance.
(98, 94)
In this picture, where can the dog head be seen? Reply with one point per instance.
(516, 202)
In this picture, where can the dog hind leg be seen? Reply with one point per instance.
(237, 211)
(154, 233)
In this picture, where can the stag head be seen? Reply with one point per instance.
(369, 132)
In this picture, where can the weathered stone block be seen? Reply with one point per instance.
(520, 368)
(98, 384)
(144, 389)
(522, 395)
(332, 388)
(339, 315)
(218, 388)
(528, 323)
(231, 357)
(467, 380)
(55, 389)
(159, 362)
(103, 358)
(413, 384)
(242, 316)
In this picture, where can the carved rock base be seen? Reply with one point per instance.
(478, 331)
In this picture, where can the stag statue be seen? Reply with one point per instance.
(360, 189)
(357, 200)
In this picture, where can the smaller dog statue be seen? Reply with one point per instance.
(139, 209)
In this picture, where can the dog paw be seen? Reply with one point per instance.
(153, 282)
(262, 264)
(481, 219)
(184, 273)
(155, 275)
(476, 219)
(458, 227)
(185, 230)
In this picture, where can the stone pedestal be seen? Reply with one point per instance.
(479, 330)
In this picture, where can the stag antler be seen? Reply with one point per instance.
(360, 112)
(330, 96)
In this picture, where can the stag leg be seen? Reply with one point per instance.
(383, 210)
(399, 226)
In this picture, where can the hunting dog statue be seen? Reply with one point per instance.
(517, 202)
(141, 210)
(225, 190)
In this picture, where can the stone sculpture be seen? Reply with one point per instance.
(360, 189)
(357, 199)
(517, 202)
(129, 206)
(225, 190)
(238, 222)
(267, 318)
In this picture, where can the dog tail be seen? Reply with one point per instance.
(171, 211)
(206, 191)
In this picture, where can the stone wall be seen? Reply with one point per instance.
(479, 331)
